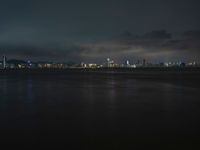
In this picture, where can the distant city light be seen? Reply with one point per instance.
(109, 63)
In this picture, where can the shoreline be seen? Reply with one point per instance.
(179, 70)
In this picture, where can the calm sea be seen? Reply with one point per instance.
(98, 111)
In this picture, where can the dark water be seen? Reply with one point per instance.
(98, 112)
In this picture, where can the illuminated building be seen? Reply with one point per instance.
(134, 66)
(127, 64)
(4, 62)
(110, 63)
(92, 65)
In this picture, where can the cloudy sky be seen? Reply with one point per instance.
(92, 30)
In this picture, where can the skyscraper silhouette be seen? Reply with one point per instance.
(4, 61)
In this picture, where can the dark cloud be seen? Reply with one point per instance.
(158, 34)
(195, 34)
(158, 45)
(53, 53)
(80, 30)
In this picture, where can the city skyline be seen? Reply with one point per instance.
(108, 63)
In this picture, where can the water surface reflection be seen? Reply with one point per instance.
(76, 108)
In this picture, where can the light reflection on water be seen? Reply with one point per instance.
(92, 106)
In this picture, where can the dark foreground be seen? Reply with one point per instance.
(109, 109)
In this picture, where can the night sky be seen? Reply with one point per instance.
(91, 30)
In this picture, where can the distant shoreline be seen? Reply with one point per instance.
(172, 72)
(103, 69)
